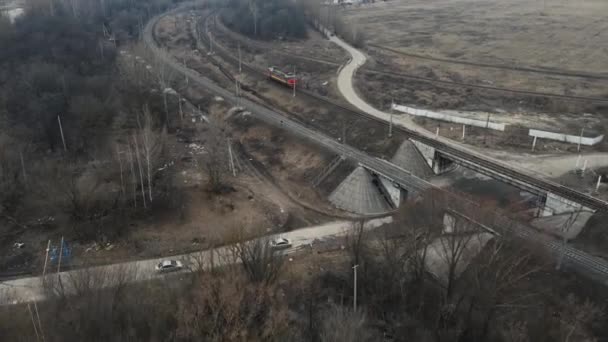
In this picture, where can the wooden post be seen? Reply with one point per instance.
(60, 254)
(29, 308)
(355, 288)
(23, 167)
(534, 143)
(46, 258)
(181, 112)
(239, 46)
(61, 131)
(39, 324)
(584, 166)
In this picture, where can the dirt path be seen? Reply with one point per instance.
(30, 289)
(549, 166)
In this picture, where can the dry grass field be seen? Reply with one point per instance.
(557, 34)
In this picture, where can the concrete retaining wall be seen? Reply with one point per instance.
(555, 205)
(574, 139)
(449, 118)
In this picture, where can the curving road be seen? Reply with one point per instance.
(30, 289)
(466, 155)
(580, 261)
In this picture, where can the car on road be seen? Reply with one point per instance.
(280, 243)
(169, 266)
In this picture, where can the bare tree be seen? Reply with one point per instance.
(141, 175)
(494, 280)
(164, 75)
(254, 9)
(261, 262)
(152, 147)
(226, 307)
(215, 158)
(356, 242)
(340, 324)
(574, 318)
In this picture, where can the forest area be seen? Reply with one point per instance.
(85, 149)
(272, 19)
(509, 292)
(82, 135)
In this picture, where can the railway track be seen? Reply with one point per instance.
(491, 167)
(553, 72)
(581, 261)
(401, 75)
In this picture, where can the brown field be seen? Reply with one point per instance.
(561, 35)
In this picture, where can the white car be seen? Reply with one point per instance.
(280, 243)
(169, 266)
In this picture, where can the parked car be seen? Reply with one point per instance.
(169, 266)
(280, 243)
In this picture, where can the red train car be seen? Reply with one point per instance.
(287, 79)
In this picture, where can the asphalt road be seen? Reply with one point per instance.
(580, 261)
(30, 289)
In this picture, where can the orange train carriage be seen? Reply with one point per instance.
(288, 79)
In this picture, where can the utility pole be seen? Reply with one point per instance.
(210, 44)
(60, 254)
(185, 74)
(464, 128)
(580, 139)
(534, 143)
(179, 103)
(61, 131)
(231, 158)
(485, 135)
(240, 69)
(46, 259)
(29, 308)
(23, 167)
(237, 90)
(355, 288)
(390, 124)
(39, 324)
(599, 182)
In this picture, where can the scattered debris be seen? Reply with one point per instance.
(166, 166)
(196, 148)
(19, 245)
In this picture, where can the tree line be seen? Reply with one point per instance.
(82, 130)
(268, 19)
(416, 280)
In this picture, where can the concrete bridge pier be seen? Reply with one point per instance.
(433, 158)
(561, 216)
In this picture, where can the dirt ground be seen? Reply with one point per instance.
(561, 37)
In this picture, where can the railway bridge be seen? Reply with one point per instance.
(442, 156)
(402, 178)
